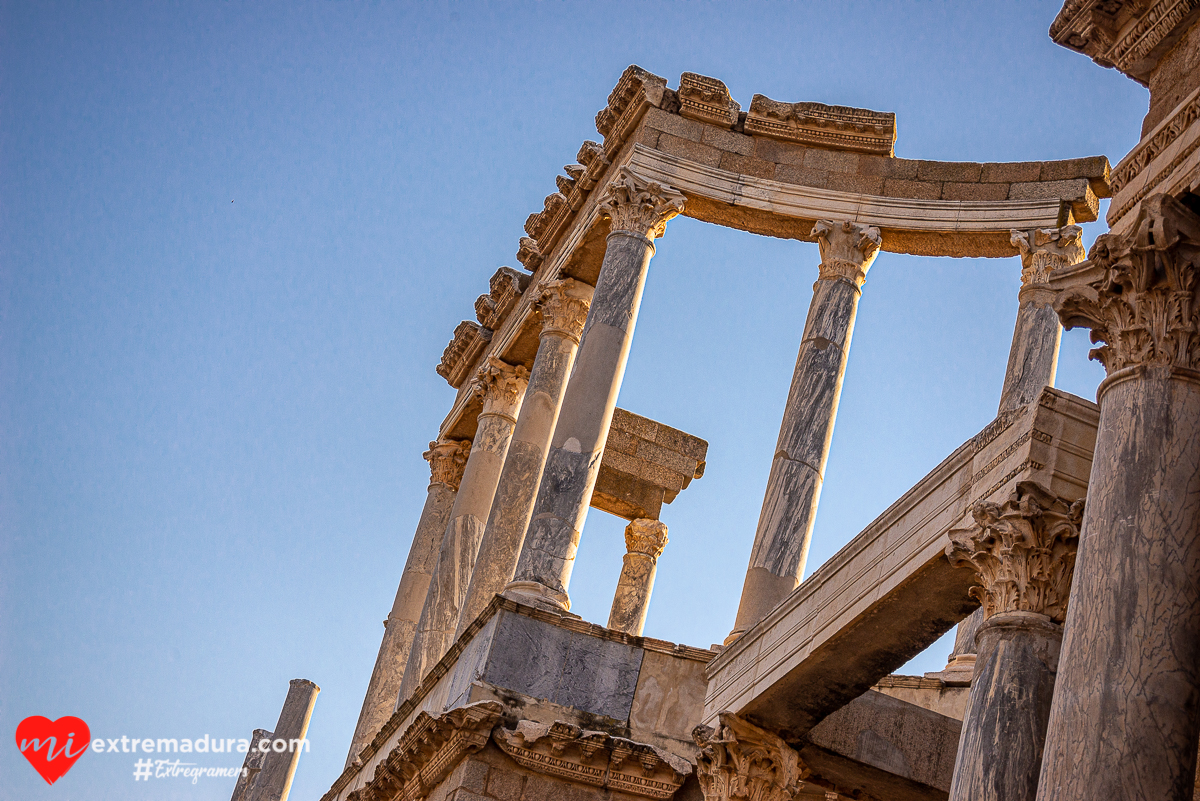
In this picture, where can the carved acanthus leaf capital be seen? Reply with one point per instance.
(1023, 551)
(847, 249)
(741, 762)
(647, 537)
(1137, 291)
(447, 458)
(564, 306)
(502, 386)
(640, 206)
(1045, 250)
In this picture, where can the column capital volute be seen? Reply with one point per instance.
(848, 249)
(1022, 551)
(740, 762)
(638, 205)
(564, 305)
(1137, 291)
(502, 387)
(646, 536)
(447, 458)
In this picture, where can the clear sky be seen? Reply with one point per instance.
(235, 238)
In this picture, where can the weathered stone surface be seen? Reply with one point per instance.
(669, 697)
(644, 540)
(274, 782)
(251, 766)
(1130, 36)
(740, 762)
(817, 124)
(928, 692)
(706, 99)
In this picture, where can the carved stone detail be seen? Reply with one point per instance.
(1141, 156)
(564, 306)
(469, 341)
(819, 125)
(647, 537)
(847, 249)
(528, 254)
(707, 100)
(505, 289)
(636, 91)
(594, 758)
(640, 206)
(502, 386)
(1044, 250)
(741, 762)
(1023, 551)
(1120, 33)
(447, 459)
(1137, 292)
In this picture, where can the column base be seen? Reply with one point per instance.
(538, 595)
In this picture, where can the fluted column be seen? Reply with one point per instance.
(644, 543)
(1023, 552)
(501, 386)
(639, 211)
(446, 461)
(1124, 722)
(1032, 363)
(563, 307)
(794, 485)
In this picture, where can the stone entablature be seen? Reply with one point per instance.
(707, 100)
(504, 290)
(1129, 35)
(819, 125)
(468, 344)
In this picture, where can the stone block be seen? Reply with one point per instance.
(1063, 190)
(949, 171)
(887, 167)
(599, 676)
(1010, 171)
(467, 795)
(669, 698)
(748, 165)
(832, 160)
(642, 427)
(859, 184)
(919, 190)
(728, 140)
(702, 154)
(1090, 167)
(648, 136)
(621, 442)
(793, 174)
(470, 775)
(504, 785)
(674, 124)
(778, 152)
(973, 191)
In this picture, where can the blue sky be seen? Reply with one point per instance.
(235, 238)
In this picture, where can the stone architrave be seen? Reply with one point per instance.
(446, 458)
(740, 762)
(1023, 552)
(502, 387)
(1123, 724)
(639, 211)
(564, 307)
(794, 485)
(644, 543)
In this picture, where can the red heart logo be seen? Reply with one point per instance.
(50, 745)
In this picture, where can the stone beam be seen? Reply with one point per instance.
(891, 592)
(645, 464)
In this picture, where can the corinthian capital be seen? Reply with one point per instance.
(647, 537)
(640, 206)
(1023, 551)
(564, 306)
(847, 249)
(1137, 290)
(502, 386)
(741, 762)
(1045, 250)
(447, 458)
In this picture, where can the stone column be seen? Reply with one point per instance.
(274, 781)
(446, 461)
(501, 385)
(644, 543)
(1124, 721)
(639, 211)
(794, 485)
(564, 307)
(1023, 551)
(1032, 363)
(739, 761)
(251, 766)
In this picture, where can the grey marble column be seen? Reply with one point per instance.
(639, 211)
(446, 461)
(1032, 363)
(794, 484)
(501, 386)
(1023, 552)
(274, 782)
(644, 543)
(1124, 722)
(563, 307)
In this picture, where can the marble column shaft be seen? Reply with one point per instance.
(794, 484)
(446, 461)
(563, 306)
(639, 211)
(644, 543)
(274, 782)
(1023, 552)
(501, 387)
(1125, 719)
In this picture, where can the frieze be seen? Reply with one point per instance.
(1140, 157)
(819, 125)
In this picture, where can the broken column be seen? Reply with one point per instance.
(639, 211)
(446, 461)
(1023, 552)
(644, 543)
(794, 485)
(501, 387)
(563, 308)
(274, 781)
(1123, 724)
